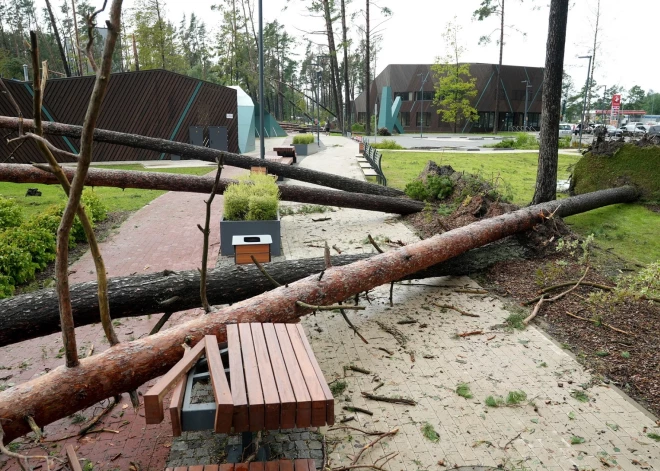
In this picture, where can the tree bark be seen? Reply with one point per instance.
(65, 63)
(126, 366)
(19, 173)
(35, 314)
(347, 98)
(75, 27)
(210, 155)
(546, 176)
(367, 73)
(334, 66)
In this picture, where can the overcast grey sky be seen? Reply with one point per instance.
(413, 34)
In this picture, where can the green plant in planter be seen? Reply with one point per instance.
(303, 139)
(255, 197)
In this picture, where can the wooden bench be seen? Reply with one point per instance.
(281, 160)
(286, 151)
(275, 382)
(279, 465)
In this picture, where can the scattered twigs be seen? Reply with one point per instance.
(351, 326)
(87, 428)
(506, 445)
(468, 334)
(336, 249)
(35, 428)
(378, 386)
(454, 308)
(470, 291)
(329, 308)
(23, 459)
(358, 369)
(394, 332)
(357, 409)
(326, 256)
(373, 242)
(321, 219)
(207, 232)
(602, 323)
(392, 294)
(393, 400)
(347, 419)
(370, 445)
(389, 352)
(407, 321)
(348, 427)
(161, 322)
(543, 299)
(265, 273)
(569, 283)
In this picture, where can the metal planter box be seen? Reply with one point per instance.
(306, 149)
(229, 229)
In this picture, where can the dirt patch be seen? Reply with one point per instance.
(103, 230)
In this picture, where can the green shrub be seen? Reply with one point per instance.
(565, 142)
(6, 286)
(439, 187)
(357, 127)
(505, 144)
(15, 262)
(36, 241)
(384, 132)
(94, 207)
(303, 139)
(10, 213)
(254, 198)
(389, 144)
(417, 190)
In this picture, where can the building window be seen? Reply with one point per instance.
(404, 117)
(427, 119)
(486, 120)
(428, 96)
(405, 96)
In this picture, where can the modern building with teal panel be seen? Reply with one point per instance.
(271, 126)
(246, 120)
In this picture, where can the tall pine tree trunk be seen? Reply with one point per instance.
(75, 27)
(546, 177)
(593, 63)
(347, 98)
(334, 66)
(65, 63)
(367, 70)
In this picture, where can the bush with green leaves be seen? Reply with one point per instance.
(357, 127)
(384, 132)
(254, 198)
(417, 190)
(434, 188)
(303, 139)
(10, 213)
(388, 144)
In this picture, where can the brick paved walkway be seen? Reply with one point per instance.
(162, 235)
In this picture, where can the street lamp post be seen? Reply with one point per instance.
(262, 145)
(421, 92)
(586, 92)
(319, 74)
(528, 85)
(604, 102)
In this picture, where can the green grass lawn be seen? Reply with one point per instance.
(115, 199)
(628, 230)
(516, 170)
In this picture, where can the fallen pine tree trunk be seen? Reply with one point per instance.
(126, 366)
(20, 173)
(210, 155)
(36, 314)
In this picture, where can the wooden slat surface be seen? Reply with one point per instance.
(256, 466)
(241, 467)
(175, 406)
(258, 248)
(223, 399)
(286, 465)
(199, 467)
(284, 388)
(74, 464)
(272, 466)
(311, 380)
(213, 467)
(153, 399)
(244, 259)
(329, 398)
(227, 467)
(301, 465)
(303, 399)
(268, 385)
(252, 381)
(240, 421)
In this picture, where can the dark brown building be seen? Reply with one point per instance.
(153, 103)
(406, 80)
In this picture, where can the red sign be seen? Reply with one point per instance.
(616, 101)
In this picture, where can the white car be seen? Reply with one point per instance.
(565, 129)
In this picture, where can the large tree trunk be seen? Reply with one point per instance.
(546, 176)
(35, 314)
(65, 62)
(210, 155)
(126, 366)
(367, 73)
(347, 98)
(20, 173)
(334, 67)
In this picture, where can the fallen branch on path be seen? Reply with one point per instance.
(454, 308)
(543, 299)
(394, 332)
(394, 431)
(602, 323)
(468, 334)
(357, 409)
(393, 400)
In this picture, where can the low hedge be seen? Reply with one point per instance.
(29, 246)
(254, 198)
(303, 139)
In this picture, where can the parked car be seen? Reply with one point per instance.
(635, 129)
(610, 131)
(653, 134)
(565, 129)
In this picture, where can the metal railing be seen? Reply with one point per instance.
(374, 158)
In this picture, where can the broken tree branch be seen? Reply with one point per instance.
(264, 272)
(105, 374)
(393, 400)
(350, 324)
(329, 308)
(205, 249)
(553, 299)
(373, 242)
(454, 308)
(609, 326)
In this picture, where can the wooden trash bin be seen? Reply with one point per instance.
(361, 147)
(252, 245)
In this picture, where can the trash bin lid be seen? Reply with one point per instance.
(251, 239)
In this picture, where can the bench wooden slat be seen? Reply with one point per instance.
(223, 399)
(175, 406)
(74, 464)
(286, 465)
(311, 380)
(153, 399)
(181, 468)
(303, 399)
(226, 467)
(329, 398)
(199, 467)
(213, 467)
(301, 465)
(241, 467)
(256, 466)
(284, 388)
(252, 381)
(240, 420)
(268, 386)
(272, 466)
